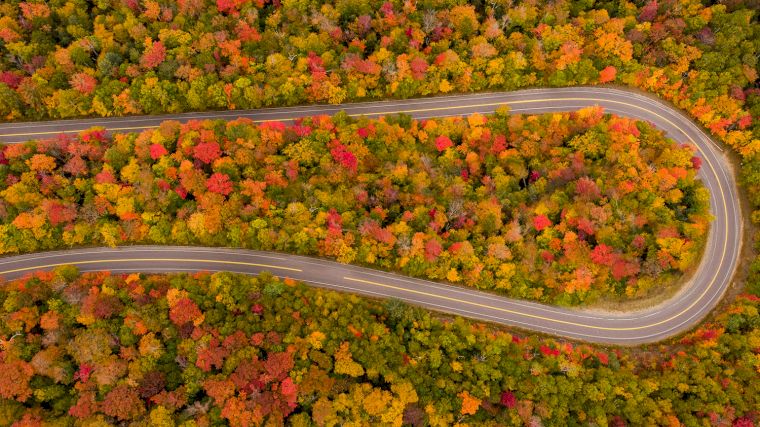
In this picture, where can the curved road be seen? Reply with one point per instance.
(691, 304)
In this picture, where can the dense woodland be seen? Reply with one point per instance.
(562, 208)
(67, 58)
(100, 349)
(226, 349)
(72, 58)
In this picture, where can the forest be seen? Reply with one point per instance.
(70, 58)
(199, 350)
(563, 208)
(101, 349)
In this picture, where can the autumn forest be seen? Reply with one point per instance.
(557, 208)
(570, 209)
(228, 349)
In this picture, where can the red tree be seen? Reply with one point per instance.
(219, 183)
(278, 365)
(508, 399)
(622, 269)
(83, 83)
(587, 188)
(603, 255)
(105, 177)
(648, 12)
(586, 226)
(85, 406)
(75, 166)
(154, 54)
(185, 310)
(540, 222)
(344, 157)
(289, 391)
(432, 250)
(443, 142)
(11, 79)
(745, 121)
(207, 152)
(156, 151)
(419, 67)
(334, 221)
(212, 356)
(696, 162)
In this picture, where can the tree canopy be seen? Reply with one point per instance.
(225, 349)
(562, 208)
(69, 58)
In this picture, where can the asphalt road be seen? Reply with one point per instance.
(675, 315)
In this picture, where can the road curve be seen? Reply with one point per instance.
(675, 315)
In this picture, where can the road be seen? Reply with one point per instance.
(687, 307)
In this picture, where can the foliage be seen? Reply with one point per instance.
(77, 58)
(559, 207)
(313, 356)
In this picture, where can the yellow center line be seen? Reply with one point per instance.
(709, 163)
(476, 304)
(382, 113)
(704, 292)
(249, 264)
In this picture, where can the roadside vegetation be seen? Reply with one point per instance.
(561, 208)
(534, 207)
(70, 58)
(224, 349)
